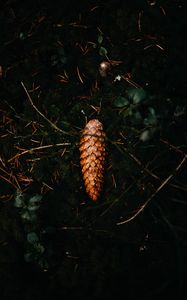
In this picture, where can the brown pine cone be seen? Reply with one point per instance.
(92, 157)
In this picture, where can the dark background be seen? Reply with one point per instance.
(54, 241)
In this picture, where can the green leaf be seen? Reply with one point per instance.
(34, 202)
(35, 199)
(121, 102)
(179, 111)
(25, 215)
(151, 118)
(147, 134)
(136, 95)
(22, 35)
(100, 38)
(19, 200)
(103, 51)
(32, 237)
(137, 117)
(39, 248)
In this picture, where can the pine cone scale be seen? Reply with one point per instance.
(92, 157)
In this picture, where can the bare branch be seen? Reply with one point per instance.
(155, 193)
(37, 148)
(41, 114)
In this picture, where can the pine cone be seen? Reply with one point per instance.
(92, 157)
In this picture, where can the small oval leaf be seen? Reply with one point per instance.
(32, 237)
(103, 51)
(121, 102)
(100, 38)
(35, 199)
(19, 200)
(136, 95)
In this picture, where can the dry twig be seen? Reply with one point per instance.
(37, 148)
(156, 192)
(40, 113)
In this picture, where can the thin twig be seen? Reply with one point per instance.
(37, 148)
(138, 162)
(175, 148)
(41, 114)
(145, 169)
(10, 182)
(155, 193)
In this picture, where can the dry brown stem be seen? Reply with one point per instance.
(40, 113)
(155, 193)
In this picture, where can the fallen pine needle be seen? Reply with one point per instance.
(40, 113)
(37, 148)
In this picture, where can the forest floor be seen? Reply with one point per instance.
(61, 65)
